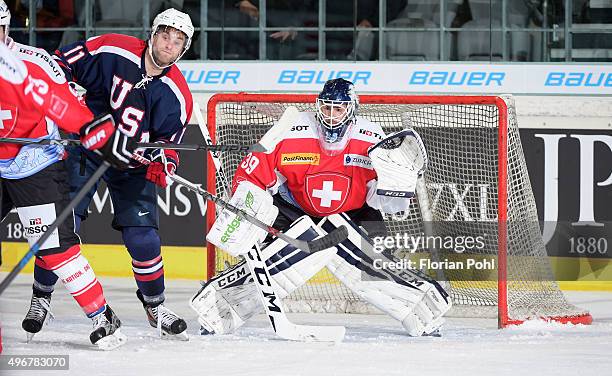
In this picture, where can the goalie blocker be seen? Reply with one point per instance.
(225, 302)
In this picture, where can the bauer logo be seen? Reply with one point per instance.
(211, 77)
(579, 79)
(300, 159)
(321, 76)
(357, 161)
(453, 78)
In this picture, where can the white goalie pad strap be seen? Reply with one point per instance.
(291, 267)
(417, 304)
(398, 161)
(235, 235)
(229, 299)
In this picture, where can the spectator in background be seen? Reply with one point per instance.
(232, 45)
(368, 12)
(289, 44)
(49, 14)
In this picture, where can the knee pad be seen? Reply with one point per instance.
(404, 295)
(143, 243)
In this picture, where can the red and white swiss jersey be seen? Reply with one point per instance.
(33, 87)
(320, 184)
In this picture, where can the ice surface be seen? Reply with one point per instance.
(374, 344)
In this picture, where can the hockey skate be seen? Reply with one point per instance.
(106, 332)
(168, 323)
(38, 315)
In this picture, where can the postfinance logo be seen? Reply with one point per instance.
(300, 159)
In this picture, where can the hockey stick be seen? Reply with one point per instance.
(275, 311)
(53, 226)
(327, 241)
(141, 145)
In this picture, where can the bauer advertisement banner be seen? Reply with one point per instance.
(401, 78)
(570, 173)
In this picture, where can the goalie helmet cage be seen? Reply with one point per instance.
(477, 172)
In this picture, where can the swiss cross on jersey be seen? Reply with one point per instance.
(327, 191)
(8, 119)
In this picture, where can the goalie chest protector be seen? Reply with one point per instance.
(320, 184)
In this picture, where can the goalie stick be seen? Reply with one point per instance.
(273, 305)
(327, 241)
(53, 226)
(275, 311)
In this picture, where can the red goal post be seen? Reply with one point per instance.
(239, 112)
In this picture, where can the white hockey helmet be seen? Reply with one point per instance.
(5, 18)
(176, 19)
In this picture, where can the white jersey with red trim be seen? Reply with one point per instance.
(317, 183)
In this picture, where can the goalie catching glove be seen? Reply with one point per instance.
(101, 137)
(398, 160)
(236, 235)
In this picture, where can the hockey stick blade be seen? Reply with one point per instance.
(332, 239)
(276, 314)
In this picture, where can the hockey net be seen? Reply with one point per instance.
(476, 183)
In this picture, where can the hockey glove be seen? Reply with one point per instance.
(398, 160)
(163, 164)
(101, 137)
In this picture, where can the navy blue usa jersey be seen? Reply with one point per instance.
(111, 69)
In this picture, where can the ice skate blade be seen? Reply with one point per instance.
(175, 337)
(29, 337)
(112, 341)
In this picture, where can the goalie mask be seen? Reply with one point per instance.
(174, 19)
(336, 110)
(5, 19)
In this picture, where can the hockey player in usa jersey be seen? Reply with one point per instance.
(36, 99)
(138, 82)
(332, 168)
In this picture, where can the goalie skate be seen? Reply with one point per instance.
(168, 323)
(38, 315)
(107, 333)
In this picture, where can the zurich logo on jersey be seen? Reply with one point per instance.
(358, 160)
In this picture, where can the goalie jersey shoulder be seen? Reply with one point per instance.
(368, 131)
(304, 127)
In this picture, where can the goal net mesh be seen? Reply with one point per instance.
(459, 198)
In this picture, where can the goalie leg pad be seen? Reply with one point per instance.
(226, 301)
(419, 305)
